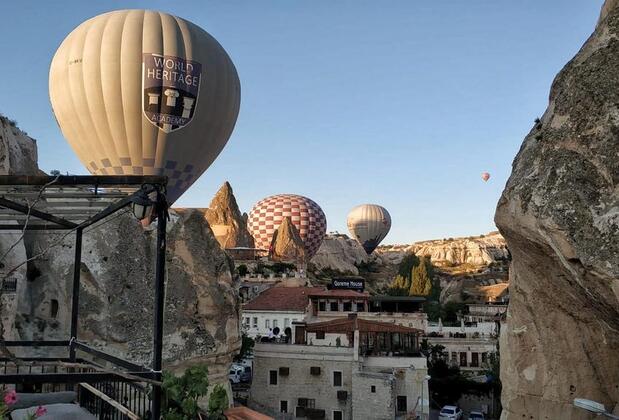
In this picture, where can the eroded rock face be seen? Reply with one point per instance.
(226, 220)
(117, 284)
(560, 216)
(287, 244)
(339, 253)
(478, 250)
(18, 151)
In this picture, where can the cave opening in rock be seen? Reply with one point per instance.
(54, 308)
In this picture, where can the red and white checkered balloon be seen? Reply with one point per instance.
(307, 216)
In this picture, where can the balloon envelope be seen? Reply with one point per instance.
(306, 216)
(485, 176)
(369, 224)
(139, 92)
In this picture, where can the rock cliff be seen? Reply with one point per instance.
(339, 253)
(18, 152)
(226, 220)
(559, 213)
(477, 250)
(287, 244)
(116, 299)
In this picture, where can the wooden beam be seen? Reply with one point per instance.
(110, 401)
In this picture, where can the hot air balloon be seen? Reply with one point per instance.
(485, 176)
(140, 92)
(369, 224)
(307, 217)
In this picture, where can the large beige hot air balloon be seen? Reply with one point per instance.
(369, 224)
(139, 92)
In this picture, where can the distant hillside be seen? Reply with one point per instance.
(469, 269)
(473, 250)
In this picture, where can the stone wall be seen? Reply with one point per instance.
(373, 395)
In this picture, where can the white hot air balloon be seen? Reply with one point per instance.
(140, 92)
(369, 224)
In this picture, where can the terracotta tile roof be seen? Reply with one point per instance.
(340, 293)
(282, 299)
(350, 324)
(244, 413)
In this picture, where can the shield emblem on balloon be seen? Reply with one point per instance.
(170, 88)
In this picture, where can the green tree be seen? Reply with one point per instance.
(407, 264)
(242, 270)
(398, 286)
(217, 403)
(181, 393)
(247, 345)
(421, 284)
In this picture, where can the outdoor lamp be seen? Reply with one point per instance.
(141, 204)
(593, 406)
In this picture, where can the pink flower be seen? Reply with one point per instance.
(41, 411)
(10, 397)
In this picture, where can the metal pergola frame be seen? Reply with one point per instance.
(83, 201)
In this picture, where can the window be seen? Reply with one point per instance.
(338, 415)
(347, 307)
(401, 403)
(274, 323)
(255, 322)
(322, 306)
(454, 356)
(246, 321)
(373, 389)
(484, 357)
(337, 378)
(272, 377)
(474, 359)
(320, 335)
(334, 306)
(463, 358)
(267, 323)
(283, 406)
(286, 322)
(306, 402)
(360, 307)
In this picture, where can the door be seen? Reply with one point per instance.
(299, 334)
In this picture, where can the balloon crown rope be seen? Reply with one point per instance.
(72, 206)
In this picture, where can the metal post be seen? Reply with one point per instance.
(75, 298)
(159, 305)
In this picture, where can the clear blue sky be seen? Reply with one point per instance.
(401, 103)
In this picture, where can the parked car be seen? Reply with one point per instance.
(450, 412)
(236, 373)
(476, 415)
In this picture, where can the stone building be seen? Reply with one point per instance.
(343, 369)
(401, 310)
(276, 307)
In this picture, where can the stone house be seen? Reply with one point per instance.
(342, 369)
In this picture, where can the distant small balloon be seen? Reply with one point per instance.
(485, 176)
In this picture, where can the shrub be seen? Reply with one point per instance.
(181, 393)
(217, 403)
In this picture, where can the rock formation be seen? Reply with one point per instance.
(476, 250)
(226, 220)
(339, 253)
(559, 213)
(18, 152)
(117, 296)
(287, 244)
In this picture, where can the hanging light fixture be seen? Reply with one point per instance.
(141, 204)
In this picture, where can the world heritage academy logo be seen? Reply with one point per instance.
(170, 88)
